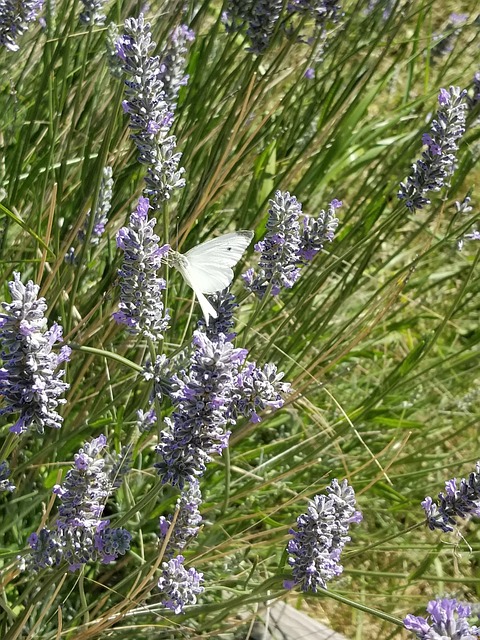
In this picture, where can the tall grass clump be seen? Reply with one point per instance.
(314, 437)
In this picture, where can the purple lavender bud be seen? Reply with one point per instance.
(104, 203)
(197, 425)
(321, 535)
(258, 389)
(15, 16)
(29, 381)
(179, 586)
(173, 62)
(438, 161)
(188, 519)
(150, 114)
(161, 375)
(459, 500)
(110, 543)
(225, 304)
(280, 248)
(45, 550)
(112, 50)
(146, 420)
(309, 74)
(447, 620)
(318, 231)
(5, 484)
(93, 12)
(141, 305)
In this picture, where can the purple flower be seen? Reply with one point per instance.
(93, 12)
(225, 304)
(461, 499)
(257, 389)
(5, 484)
(317, 231)
(259, 16)
(320, 537)
(280, 248)
(172, 67)
(447, 620)
(104, 203)
(29, 381)
(179, 586)
(188, 519)
(438, 161)
(141, 305)
(201, 400)
(149, 111)
(324, 12)
(160, 373)
(81, 535)
(15, 16)
(146, 420)
(309, 74)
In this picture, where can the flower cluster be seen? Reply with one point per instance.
(438, 160)
(150, 115)
(5, 484)
(141, 306)
(93, 12)
(203, 396)
(159, 372)
(80, 534)
(104, 203)
(324, 12)
(459, 501)
(287, 246)
(322, 533)
(448, 619)
(15, 16)
(172, 67)
(29, 380)
(179, 586)
(225, 305)
(257, 389)
(188, 519)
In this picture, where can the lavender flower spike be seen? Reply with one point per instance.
(188, 519)
(172, 67)
(80, 534)
(15, 16)
(5, 484)
(93, 12)
(141, 306)
(29, 380)
(448, 619)
(197, 425)
(279, 250)
(150, 114)
(317, 231)
(322, 533)
(438, 160)
(104, 203)
(179, 586)
(459, 500)
(257, 389)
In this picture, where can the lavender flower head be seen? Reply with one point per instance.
(179, 586)
(80, 534)
(104, 203)
(448, 619)
(29, 380)
(225, 305)
(15, 16)
(258, 389)
(320, 537)
(322, 11)
(197, 426)
(93, 12)
(438, 160)
(150, 115)
(461, 499)
(173, 62)
(259, 16)
(141, 305)
(280, 248)
(5, 484)
(188, 519)
(317, 231)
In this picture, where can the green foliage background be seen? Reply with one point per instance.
(379, 338)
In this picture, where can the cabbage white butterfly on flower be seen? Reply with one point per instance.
(207, 268)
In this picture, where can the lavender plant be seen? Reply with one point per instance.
(141, 306)
(460, 500)
(93, 12)
(173, 62)
(320, 537)
(150, 114)
(15, 18)
(258, 389)
(448, 620)
(104, 203)
(5, 483)
(30, 382)
(179, 586)
(438, 160)
(80, 534)
(187, 522)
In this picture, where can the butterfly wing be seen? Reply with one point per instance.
(208, 267)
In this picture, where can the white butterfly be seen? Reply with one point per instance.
(207, 268)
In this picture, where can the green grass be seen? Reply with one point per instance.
(379, 338)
